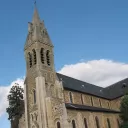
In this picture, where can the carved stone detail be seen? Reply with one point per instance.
(34, 119)
(57, 108)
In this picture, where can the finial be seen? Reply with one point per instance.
(36, 18)
(35, 3)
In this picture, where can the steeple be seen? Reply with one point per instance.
(37, 31)
(43, 91)
(38, 47)
(36, 18)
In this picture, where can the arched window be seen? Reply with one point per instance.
(100, 103)
(34, 96)
(97, 122)
(73, 124)
(108, 104)
(32, 117)
(34, 56)
(108, 122)
(42, 55)
(92, 101)
(82, 99)
(35, 117)
(85, 123)
(118, 123)
(30, 59)
(70, 95)
(58, 125)
(48, 57)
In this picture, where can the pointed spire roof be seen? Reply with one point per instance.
(36, 18)
(37, 31)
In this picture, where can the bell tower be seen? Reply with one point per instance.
(39, 72)
(44, 101)
(38, 48)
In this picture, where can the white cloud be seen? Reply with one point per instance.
(4, 91)
(99, 72)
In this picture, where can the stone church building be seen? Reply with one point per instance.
(53, 100)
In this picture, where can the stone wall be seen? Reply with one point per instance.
(89, 100)
(79, 116)
(115, 104)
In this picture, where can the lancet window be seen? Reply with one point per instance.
(73, 124)
(85, 123)
(100, 103)
(42, 55)
(70, 96)
(30, 59)
(34, 96)
(82, 99)
(34, 56)
(58, 125)
(108, 122)
(97, 122)
(92, 101)
(48, 57)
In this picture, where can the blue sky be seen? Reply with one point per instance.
(79, 29)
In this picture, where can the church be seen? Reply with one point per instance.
(53, 100)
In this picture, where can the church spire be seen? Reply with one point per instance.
(36, 18)
(37, 31)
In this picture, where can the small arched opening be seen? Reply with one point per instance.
(34, 56)
(42, 55)
(85, 123)
(70, 96)
(73, 124)
(97, 122)
(30, 59)
(48, 57)
(108, 122)
(58, 125)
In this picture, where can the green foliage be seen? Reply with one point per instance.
(124, 125)
(16, 103)
(124, 108)
(124, 111)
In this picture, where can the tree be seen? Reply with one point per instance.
(16, 104)
(124, 111)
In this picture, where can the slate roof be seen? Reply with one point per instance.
(89, 108)
(111, 92)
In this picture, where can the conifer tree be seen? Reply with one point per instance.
(16, 105)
